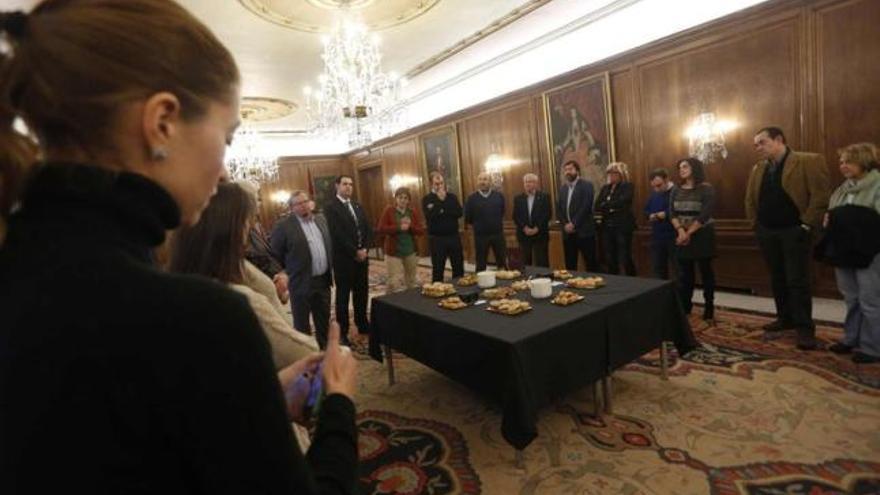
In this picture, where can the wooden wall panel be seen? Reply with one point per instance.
(750, 80)
(808, 66)
(848, 76)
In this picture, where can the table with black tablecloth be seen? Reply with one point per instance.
(524, 362)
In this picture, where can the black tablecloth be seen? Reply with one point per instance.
(526, 361)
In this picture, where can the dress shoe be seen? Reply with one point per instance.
(807, 342)
(840, 348)
(862, 358)
(777, 326)
(709, 313)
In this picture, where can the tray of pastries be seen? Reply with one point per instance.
(498, 293)
(468, 280)
(510, 307)
(562, 274)
(453, 302)
(520, 285)
(508, 274)
(438, 289)
(566, 297)
(585, 282)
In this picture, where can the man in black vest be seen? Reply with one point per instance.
(531, 213)
(351, 234)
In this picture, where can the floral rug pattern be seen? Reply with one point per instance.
(739, 415)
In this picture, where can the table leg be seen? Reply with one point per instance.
(519, 459)
(606, 393)
(597, 406)
(390, 359)
(664, 361)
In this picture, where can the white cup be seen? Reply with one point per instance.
(541, 288)
(486, 279)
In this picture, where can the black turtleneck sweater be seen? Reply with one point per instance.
(117, 378)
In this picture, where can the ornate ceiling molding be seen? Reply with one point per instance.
(495, 25)
(262, 109)
(319, 16)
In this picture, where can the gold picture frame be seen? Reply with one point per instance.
(579, 126)
(439, 151)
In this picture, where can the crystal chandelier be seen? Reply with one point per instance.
(354, 97)
(706, 137)
(248, 160)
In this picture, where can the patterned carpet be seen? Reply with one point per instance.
(738, 415)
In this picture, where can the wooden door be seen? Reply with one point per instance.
(372, 194)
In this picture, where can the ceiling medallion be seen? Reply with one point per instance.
(319, 16)
(261, 109)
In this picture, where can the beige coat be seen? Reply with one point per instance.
(804, 179)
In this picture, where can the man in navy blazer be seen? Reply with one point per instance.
(574, 209)
(352, 234)
(532, 212)
(302, 241)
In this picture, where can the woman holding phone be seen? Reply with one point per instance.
(119, 377)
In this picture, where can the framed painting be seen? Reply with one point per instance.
(440, 154)
(323, 190)
(579, 128)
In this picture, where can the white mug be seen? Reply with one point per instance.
(486, 279)
(541, 288)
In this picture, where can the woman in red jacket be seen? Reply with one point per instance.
(400, 225)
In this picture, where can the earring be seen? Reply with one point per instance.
(159, 154)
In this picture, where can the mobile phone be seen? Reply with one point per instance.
(316, 393)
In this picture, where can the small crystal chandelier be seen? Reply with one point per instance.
(706, 137)
(354, 96)
(248, 160)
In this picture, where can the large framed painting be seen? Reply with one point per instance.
(580, 128)
(323, 190)
(440, 154)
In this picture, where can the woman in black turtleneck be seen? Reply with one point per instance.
(115, 377)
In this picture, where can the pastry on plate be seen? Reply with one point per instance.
(520, 285)
(498, 293)
(566, 297)
(562, 274)
(508, 274)
(453, 302)
(438, 289)
(509, 306)
(468, 280)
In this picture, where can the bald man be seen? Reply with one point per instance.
(484, 211)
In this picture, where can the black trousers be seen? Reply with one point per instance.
(534, 251)
(445, 247)
(686, 281)
(787, 254)
(662, 256)
(618, 249)
(498, 245)
(351, 279)
(317, 304)
(572, 244)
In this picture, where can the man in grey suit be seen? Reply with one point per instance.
(302, 241)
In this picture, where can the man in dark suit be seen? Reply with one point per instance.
(574, 209)
(302, 240)
(532, 213)
(786, 198)
(351, 234)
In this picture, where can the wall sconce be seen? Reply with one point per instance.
(282, 196)
(706, 137)
(495, 166)
(398, 180)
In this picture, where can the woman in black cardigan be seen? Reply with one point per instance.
(614, 209)
(115, 377)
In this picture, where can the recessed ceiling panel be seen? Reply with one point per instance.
(320, 16)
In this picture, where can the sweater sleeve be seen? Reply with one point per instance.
(707, 209)
(234, 425)
(387, 224)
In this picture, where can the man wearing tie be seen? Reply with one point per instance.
(532, 213)
(574, 209)
(302, 240)
(351, 234)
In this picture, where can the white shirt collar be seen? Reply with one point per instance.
(340, 198)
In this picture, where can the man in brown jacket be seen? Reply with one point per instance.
(787, 195)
